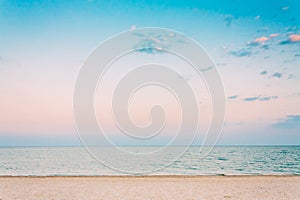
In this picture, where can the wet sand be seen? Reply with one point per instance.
(151, 187)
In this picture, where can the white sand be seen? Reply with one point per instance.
(163, 187)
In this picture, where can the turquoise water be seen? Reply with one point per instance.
(223, 160)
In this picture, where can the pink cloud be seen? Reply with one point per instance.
(274, 35)
(294, 38)
(261, 39)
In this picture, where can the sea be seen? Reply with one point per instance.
(222, 160)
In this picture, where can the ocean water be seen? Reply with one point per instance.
(222, 160)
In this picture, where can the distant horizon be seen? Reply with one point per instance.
(218, 145)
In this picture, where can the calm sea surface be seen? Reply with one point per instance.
(223, 160)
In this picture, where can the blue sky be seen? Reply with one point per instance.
(255, 45)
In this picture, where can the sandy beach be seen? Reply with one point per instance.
(152, 187)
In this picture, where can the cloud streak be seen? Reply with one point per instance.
(258, 98)
(241, 53)
(263, 72)
(268, 98)
(261, 39)
(156, 43)
(289, 122)
(291, 40)
(251, 98)
(277, 75)
(233, 97)
(207, 69)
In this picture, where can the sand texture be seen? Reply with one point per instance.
(162, 187)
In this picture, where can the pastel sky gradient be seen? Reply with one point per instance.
(255, 44)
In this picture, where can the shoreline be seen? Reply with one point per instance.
(150, 176)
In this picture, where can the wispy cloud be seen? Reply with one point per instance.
(151, 46)
(291, 39)
(233, 97)
(257, 17)
(263, 72)
(206, 69)
(228, 19)
(156, 43)
(150, 50)
(284, 42)
(267, 42)
(268, 98)
(277, 75)
(289, 122)
(291, 76)
(241, 53)
(256, 46)
(294, 38)
(274, 35)
(258, 98)
(251, 98)
(261, 39)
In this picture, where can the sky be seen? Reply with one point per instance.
(255, 45)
